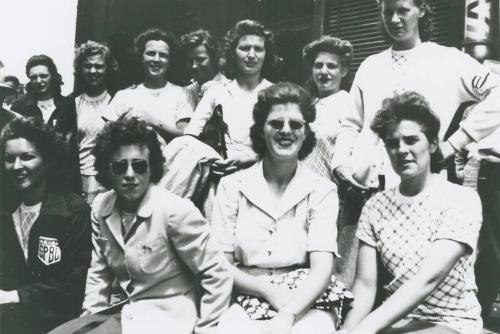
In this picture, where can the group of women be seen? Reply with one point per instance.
(155, 264)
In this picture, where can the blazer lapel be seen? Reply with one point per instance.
(255, 188)
(300, 186)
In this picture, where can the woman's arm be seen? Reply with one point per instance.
(443, 255)
(365, 285)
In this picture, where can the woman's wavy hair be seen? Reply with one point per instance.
(249, 27)
(199, 37)
(424, 23)
(282, 93)
(89, 49)
(56, 79)
(157, 34)
(52, 148)
(123, 133)
(334, 45)
(413, 107)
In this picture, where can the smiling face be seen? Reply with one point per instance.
(250, 54)
(400, 18)
(24, 165)
(327, 73)
(129, 177)
(200, 66)
(284, 132)
(40, 81)
(155, 60)
(94, 73)
(409, 150)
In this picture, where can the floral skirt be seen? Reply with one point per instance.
(335, 297)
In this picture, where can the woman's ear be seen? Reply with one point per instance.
(433, 146)
(421, 10)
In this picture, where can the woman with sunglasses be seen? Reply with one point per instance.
(276, 222)
(156, 246)
(249, 58)
(45, 245)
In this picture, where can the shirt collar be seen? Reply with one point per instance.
(144, 210)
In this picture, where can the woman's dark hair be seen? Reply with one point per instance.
(122, 133)
(199, 37)
(413, 107)
(424, 23)
(334, 45)
(44, 60)
(51, 146)
(282, 93)
(157, 34)
(89, 49)
(248, 27)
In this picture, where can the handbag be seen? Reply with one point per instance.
(214, 132)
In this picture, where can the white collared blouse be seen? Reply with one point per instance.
(263, 233)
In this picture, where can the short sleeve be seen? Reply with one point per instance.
(365, 231)
(204, 110)
(115, 108)
(461, 221)
(225, 213)
(184, 109)
(322, 220)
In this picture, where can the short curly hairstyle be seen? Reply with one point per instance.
(89, 49)
(232, 38)
(157, 34)
(56, 79)
(199, 37)
(51, 146)
(282, 93)
(424, 23)
(123, 133)
(414, 107)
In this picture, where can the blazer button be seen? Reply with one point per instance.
(269, 253)
(269, 273)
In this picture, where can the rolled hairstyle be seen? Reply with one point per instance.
(51, 146)
(56, 79)
(199, 37)
(413, 107)
(248, 27)
(92, 48)
(282, 93)
(123, 133)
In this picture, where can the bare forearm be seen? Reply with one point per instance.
(364, 294)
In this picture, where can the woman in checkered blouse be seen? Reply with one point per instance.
(425, 231)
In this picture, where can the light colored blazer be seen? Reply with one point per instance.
(157, 263)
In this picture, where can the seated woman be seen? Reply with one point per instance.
(276, 221)
(45, 245)
(155, 245)
(425, 231)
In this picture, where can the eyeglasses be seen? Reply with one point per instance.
(278, 124)
(138, 166)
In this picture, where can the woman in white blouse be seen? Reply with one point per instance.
(276, 223)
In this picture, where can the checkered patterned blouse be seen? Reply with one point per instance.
(402, 229)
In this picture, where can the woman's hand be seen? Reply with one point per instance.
(277, 296)
(282, 323)
(139, 114)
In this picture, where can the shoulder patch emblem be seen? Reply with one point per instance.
(49, 251)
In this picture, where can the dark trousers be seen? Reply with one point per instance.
(25, 319)
(488, 261)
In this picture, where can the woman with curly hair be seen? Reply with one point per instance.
(249, 58)
(425, 230)
(276, 223)
(156, 246)
(328, 59)
(157, 101)
(95, 76)
(45, 245)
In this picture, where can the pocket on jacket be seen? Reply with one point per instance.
(153, 255)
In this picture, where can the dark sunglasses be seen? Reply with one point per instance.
(278, 124)
(138, 166)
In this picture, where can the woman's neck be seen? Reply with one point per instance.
(34, 195)
(94, 91)
(278, 174)
(249, 82)
(324, 94)
(128, 206)
(414, 186)
(155, 83)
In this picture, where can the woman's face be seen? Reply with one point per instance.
(409, 150)
(284, 132)
(155, 59)
(250, 53)
(24, 165)
(94, 72)
(130, 172)
(327, 73)
(40, 81)
(200, 66)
